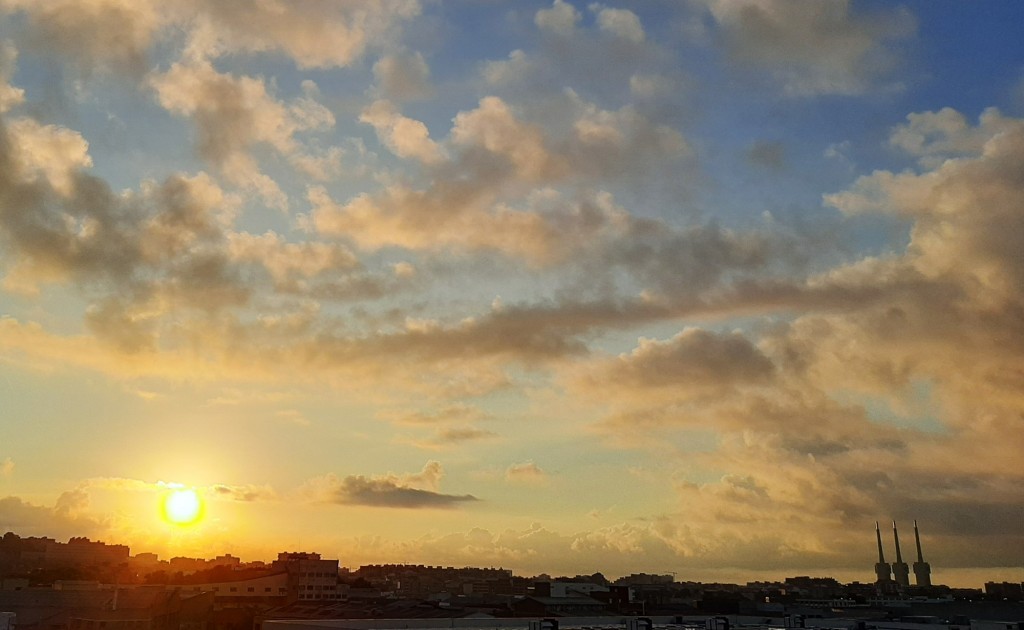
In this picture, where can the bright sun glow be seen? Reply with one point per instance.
(182, 507)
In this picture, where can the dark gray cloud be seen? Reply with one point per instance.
(828, 47)
(67, 518)
(388, 493)
(247, 493)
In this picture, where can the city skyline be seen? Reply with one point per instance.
(705, 287)
(97, 555)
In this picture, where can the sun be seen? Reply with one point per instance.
(182, 506)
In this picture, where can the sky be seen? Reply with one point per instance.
(705, 287)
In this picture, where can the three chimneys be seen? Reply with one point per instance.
(899, 571)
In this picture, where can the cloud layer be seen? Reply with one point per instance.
(600, 267)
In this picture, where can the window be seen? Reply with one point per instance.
(251, 589)
(234, 589)
(266, 590)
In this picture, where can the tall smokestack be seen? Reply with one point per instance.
(900, 570)
(882, 570)
(922, 570)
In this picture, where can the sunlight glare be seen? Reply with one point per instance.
(182, 507)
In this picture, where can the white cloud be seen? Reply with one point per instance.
(526, 472)
(561, 18)
(403, 136)
(621, 23)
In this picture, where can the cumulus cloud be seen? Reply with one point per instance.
(526, 472)
(561, 18)
(827, 48)
(66, 518)
(937, 136)
(416, 491)
(495, 191)
(232, 114)
(312, 34)
(403, 136)
(879, 408)
(621, 23)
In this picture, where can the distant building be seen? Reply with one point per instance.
(82, 551)
(1005, 590)
(645, 579)
(263, 590)
(309, 576)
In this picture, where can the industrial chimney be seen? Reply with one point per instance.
(882, 570)
(922, 570)
(900, 570)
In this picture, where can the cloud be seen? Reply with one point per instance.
(496, 190)
(52, 153)
(312, 34)
(403, 77)
(9, 95)
(527, 473)
(447, 414)
(693, 363)
(881, 407)
(65, 519)
(285, 261)
(405, 137)
(621, 23)
(560, 19)
(389, 491)
(233, 114)
(937, 136)
(7, 467)
(71, 29)
(451, 436)
(246, 493)
(827, 48)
